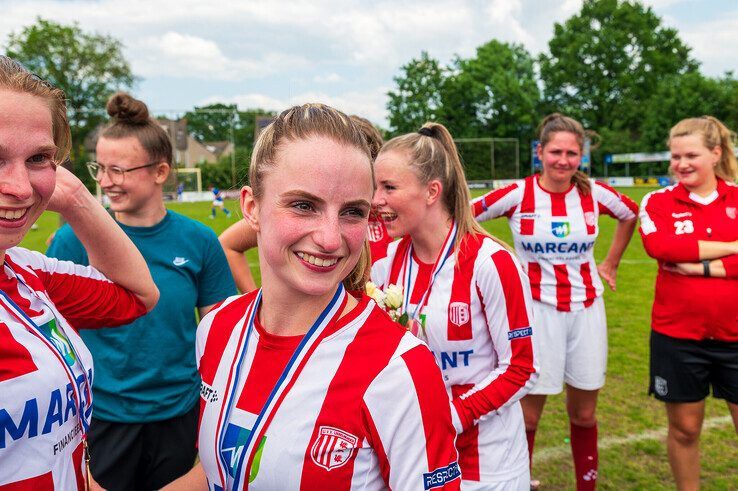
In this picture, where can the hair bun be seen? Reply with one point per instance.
(127, 109)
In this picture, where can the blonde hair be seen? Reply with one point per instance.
(130, 117)
(372, 135)
(433, 155)
(15, 77)
(300, 123)
(714, 134)
(557, 123)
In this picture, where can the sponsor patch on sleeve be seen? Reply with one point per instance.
(523, 332)
(441, 476)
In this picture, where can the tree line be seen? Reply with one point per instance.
(613, 65)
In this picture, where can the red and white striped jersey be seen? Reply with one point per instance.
(40, 432)
(367, 412)
(477, 323)
(554, 235)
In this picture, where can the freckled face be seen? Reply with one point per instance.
(27, 170)
(400, 196)
(692, 163)
(560, 157)
(313, 214)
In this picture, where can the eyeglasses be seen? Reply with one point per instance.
(116, 174)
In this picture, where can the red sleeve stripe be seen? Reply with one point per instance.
(489, 199)
(528, 205)
(563, 288)
(627, 201)
(517, 315)
(607, 211)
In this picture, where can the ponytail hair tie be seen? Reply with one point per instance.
(426, 132)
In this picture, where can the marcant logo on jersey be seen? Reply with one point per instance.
(523, 332)
(458, 313)
(681, 215)
(233, 447)
(180, 261)
(333, 447)
(560, 229)
(589, 218)
(557, 247)
(375, 232)
(441, 476)
(59, 340)
(731, 212)
(530, 215)
(41, 416)
(208, 393)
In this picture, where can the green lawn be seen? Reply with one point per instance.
(632, 453)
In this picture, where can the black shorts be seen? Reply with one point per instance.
(142, 456)
(682, 370)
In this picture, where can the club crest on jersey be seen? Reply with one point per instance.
(560, 229)
(458, 313)
(332, 447)
(730, 211)
(375, 232)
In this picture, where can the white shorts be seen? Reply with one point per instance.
(217, 202)
(519, 483)
(571, 347)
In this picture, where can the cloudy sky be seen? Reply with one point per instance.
(272, 54)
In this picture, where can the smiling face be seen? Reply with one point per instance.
(27, 170)
(693, 164)
(400, 198)
(560, 156)
(141, 189)
(312, 216)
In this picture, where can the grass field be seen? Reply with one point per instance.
(631, 425)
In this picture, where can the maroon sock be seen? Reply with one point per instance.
(584, 449)
(531, 436)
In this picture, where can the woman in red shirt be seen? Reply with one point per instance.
(691, 228)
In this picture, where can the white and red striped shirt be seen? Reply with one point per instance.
(554, 236)
(368, 410)
(40, 431)
(477, 323)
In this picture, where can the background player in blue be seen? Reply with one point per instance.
(218, 203)
(144, 423)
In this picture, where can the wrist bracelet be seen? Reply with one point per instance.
(706, 268)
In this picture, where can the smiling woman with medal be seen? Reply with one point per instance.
(304, 384)
(45, 368)
(464, 294)
(554, 221)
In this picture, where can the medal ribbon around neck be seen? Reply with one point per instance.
(36, 330)
(294, 367)
(443, 255)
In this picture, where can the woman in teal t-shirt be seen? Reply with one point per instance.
(144, 424)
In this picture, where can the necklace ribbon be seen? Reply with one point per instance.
(443, 255)
(294, 367)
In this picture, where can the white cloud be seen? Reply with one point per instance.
(331, 78)
(712, 43)
(368, 104)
